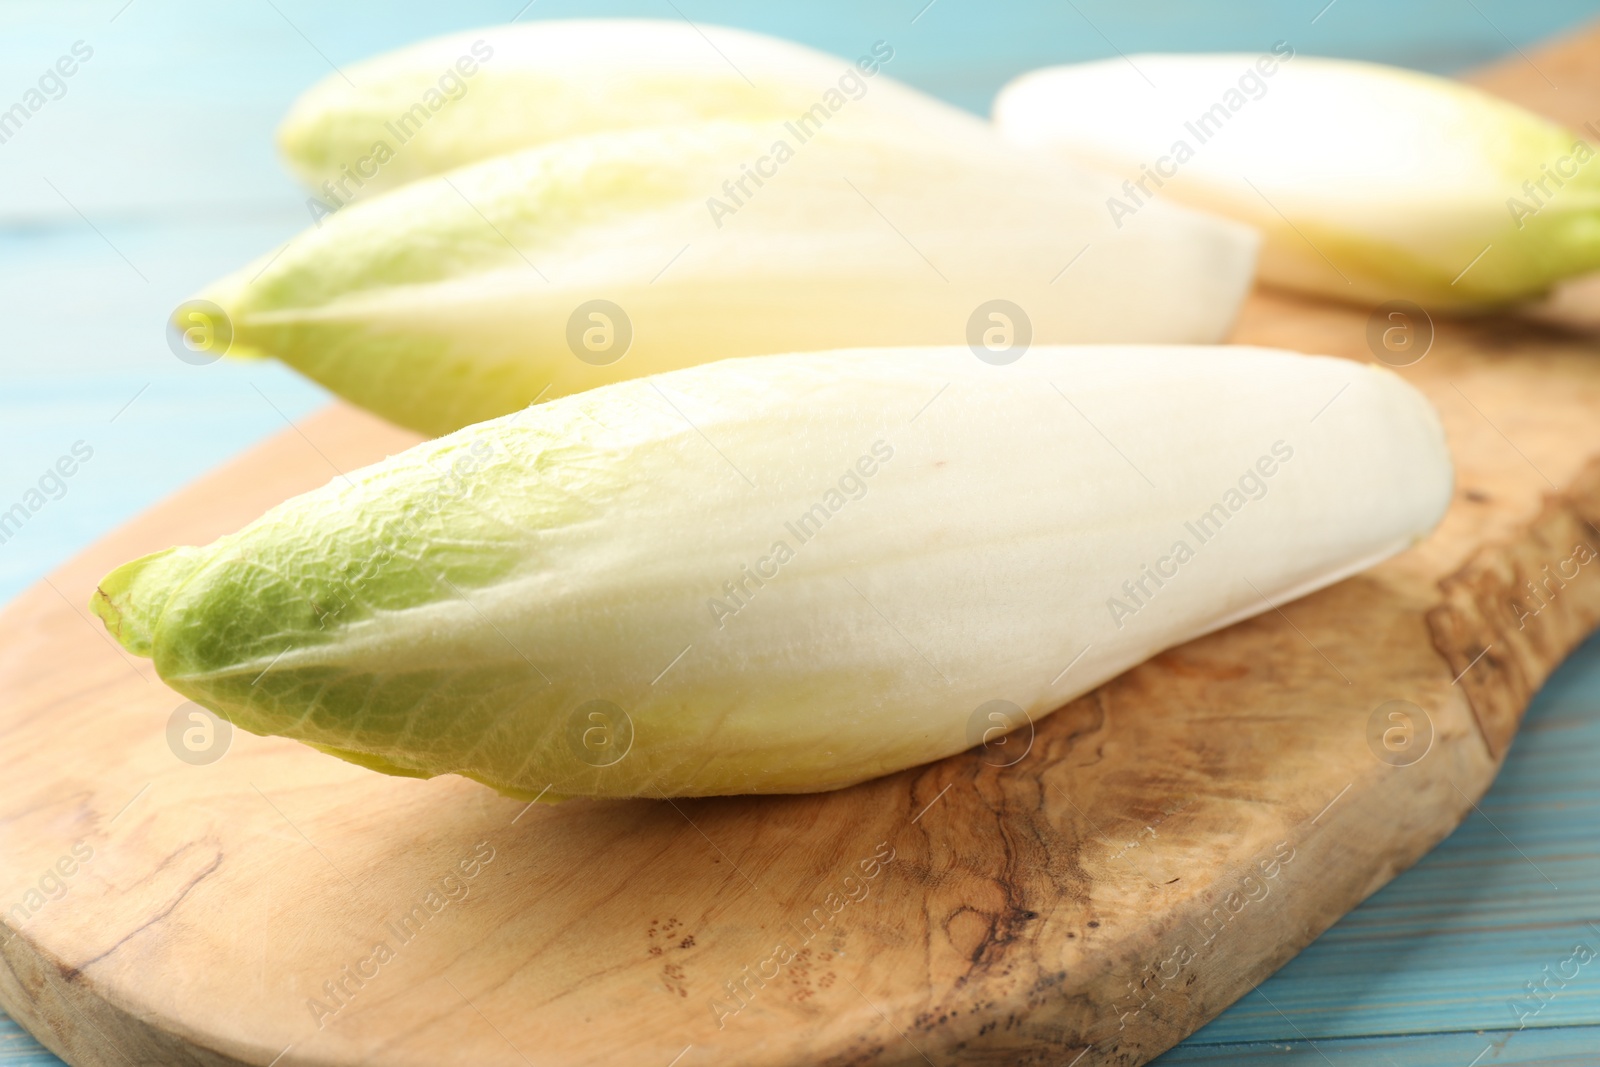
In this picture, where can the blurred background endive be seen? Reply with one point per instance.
(153, 171)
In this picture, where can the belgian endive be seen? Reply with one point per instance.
(786, 573)
(1369, 183)
(459, 99)
(458, 298)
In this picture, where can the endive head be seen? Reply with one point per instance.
(590, 260)
(1370, 183)
(785, 573)
(455, 100)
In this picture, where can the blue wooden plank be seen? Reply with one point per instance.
(135, 459)
(87, 361)
(19, 1049)
(1453, 943)
(1563, 1047)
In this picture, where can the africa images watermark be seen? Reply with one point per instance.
(452, 86)
(328, 599)
(1563, 170)
(1252, 485)
(804, 127)
(52, 485)
(453, 888)
(1248, 888)
(741, 991)
(1538, 993)
(51, 885)
(1552, 584)
(52, 85)
(1203, 128)
(852, 485)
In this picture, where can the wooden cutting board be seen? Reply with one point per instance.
(1166, 843)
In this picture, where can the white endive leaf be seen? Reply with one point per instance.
(1369, 183)
(786, 573)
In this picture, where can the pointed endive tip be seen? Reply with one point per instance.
(211, 322)
(131, 598)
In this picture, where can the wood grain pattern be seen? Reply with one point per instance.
(1449, 946)
(1105, 896)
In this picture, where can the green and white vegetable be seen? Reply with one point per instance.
(454, 100)
(1368, 183)
(469, 295)
(787, 573)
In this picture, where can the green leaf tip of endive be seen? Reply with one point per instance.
(130, 599)
(210, 322)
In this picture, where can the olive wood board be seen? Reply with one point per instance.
(1167, 842)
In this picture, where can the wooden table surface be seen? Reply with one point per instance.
(154, 172)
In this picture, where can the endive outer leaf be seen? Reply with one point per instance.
(454, 100)
(470, 295)
(786, 573)
(1369, 183)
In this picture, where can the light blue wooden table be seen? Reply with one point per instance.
(154, 173)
